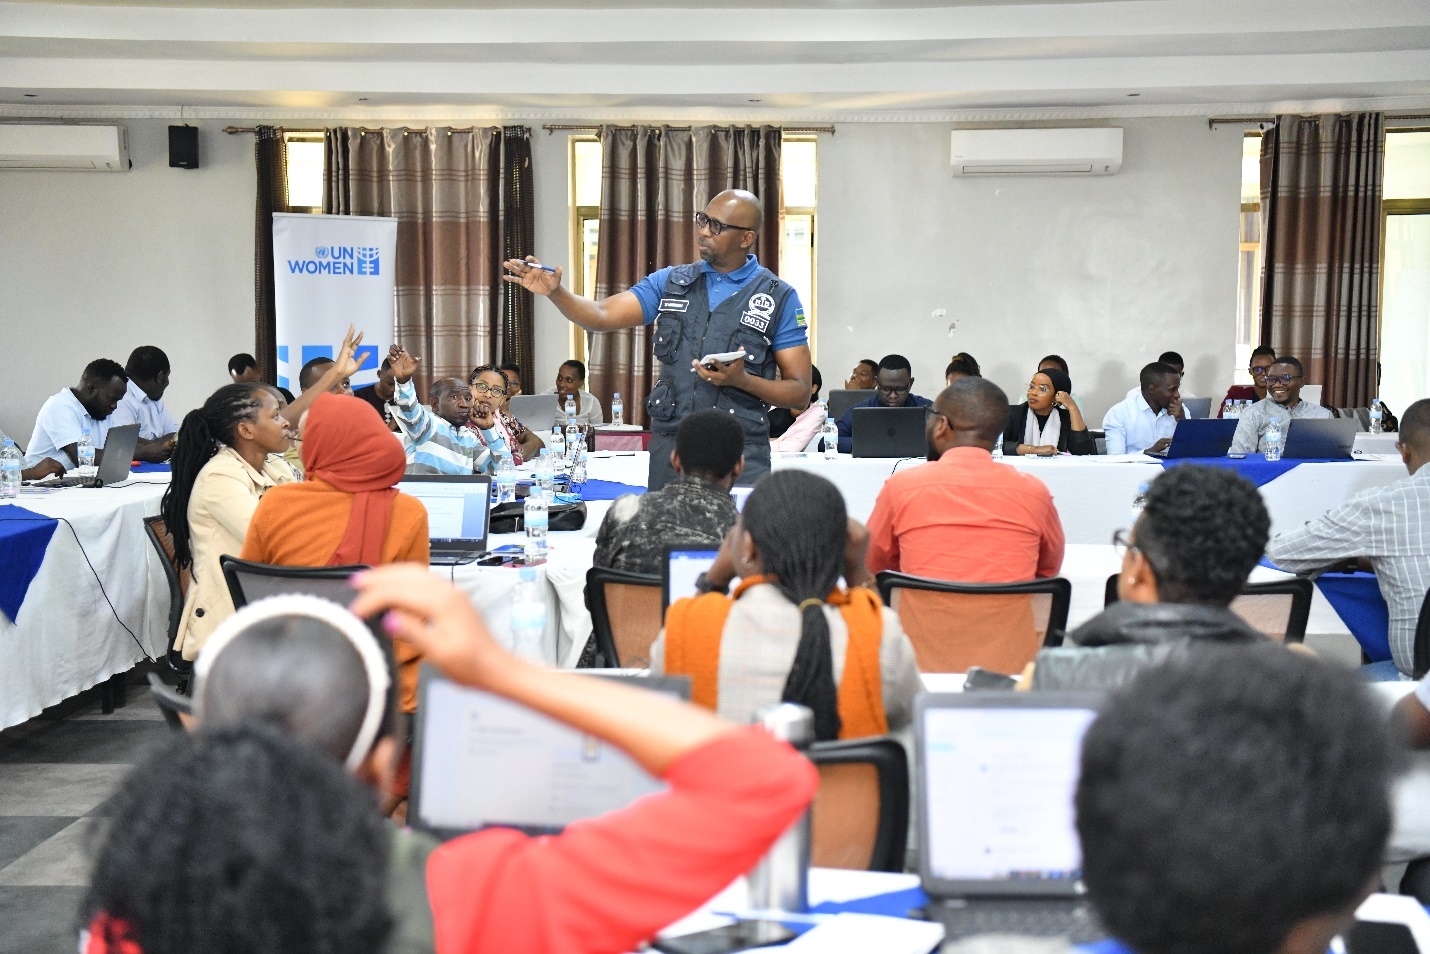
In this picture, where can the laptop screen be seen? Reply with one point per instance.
(457, 508)
(482, 760)
(999, 783)
(682, 568)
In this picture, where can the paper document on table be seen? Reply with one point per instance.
(1361, 455)
(1137, 458)
(862, 933)
(842, 885)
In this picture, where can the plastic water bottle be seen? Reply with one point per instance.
(574, 437)
(830, 432)
(1243, 407)
(1273, 439)
(528, 616)
(557, 446)
(545, 477)
(998, 449)
(618, 410)
(1228, 411)
(535, 516)
(505, 479)
(578, 472)
(10, 466)
(86, 454)
(570, 407)
(1375, 416)
(1139, 502)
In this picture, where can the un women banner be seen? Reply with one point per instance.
(331, 271)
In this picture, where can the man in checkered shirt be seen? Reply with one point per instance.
(1389, 526)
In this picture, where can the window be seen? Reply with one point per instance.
(305, 171)
(1405, 270)
(798, 181)
(1248, 282)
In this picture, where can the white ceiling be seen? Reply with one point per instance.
(781, 59)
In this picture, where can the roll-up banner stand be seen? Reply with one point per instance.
(331, 271)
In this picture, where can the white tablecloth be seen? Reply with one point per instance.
(67, 637)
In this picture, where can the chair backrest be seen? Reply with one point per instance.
(1279, 608)
(178, 578)
(172, 704)
(1422, 640)
(998, 626)
(253, 581)
(626, 615)
(860, 816)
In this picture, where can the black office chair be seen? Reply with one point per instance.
(170, 702)
(1279, 608)
(626, 615)
(860, 816)
(997, 626)
(1422, 640)
(253, 581)
(179, 579)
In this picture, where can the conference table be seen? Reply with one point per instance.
(98, 600)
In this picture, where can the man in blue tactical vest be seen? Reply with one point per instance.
(724, 303)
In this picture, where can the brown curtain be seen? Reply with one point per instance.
(518, 342)
(653, 181)
(449, 191)
(1320, 282)
(271, 160)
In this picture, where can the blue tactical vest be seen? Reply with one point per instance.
(687, 330)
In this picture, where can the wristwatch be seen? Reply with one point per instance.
(704, 584)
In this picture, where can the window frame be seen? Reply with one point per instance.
(300, 135)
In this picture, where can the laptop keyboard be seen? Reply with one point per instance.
(1055, 918)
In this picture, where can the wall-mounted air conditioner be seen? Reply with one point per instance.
(81, 148)
(1036, 152)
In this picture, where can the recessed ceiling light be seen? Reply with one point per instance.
(31, 95)
(1134, 94)
(362, 99)
(752, 100)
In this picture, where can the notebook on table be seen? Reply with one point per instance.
(998, 846)
(119, 444)
(1200, 437)
(480, 760)
(889, 432)
(458, 510)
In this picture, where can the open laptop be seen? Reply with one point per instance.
(119, 444)
(480, 760)
(998, 847)
(889, 432)
(1333, 438)
(682, 565)
(1197, 408)
(458, 508)
(537, 411)
(1200, 437)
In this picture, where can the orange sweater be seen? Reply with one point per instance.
(304, 525)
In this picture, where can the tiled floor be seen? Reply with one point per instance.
(56, 772)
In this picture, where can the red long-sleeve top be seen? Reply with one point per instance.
(607, 884)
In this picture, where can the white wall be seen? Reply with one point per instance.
(1106, 271)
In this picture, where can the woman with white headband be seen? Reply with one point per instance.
(604, 885)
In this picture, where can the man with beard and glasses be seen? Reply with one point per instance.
(965, 517)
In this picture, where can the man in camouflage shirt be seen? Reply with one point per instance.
(694, 509)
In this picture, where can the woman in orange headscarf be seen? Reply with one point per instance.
(347, 509)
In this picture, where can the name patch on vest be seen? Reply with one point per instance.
(673, 304)
(759, 313)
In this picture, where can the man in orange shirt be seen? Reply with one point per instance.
(965, 517)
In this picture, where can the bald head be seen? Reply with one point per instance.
(451, 400)
(1414, 437)
(737, 207)
(973, 413)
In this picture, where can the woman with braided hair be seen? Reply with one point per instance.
(224, 461)
(789, 633)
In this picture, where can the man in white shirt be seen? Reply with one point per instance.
(1146, 418)
(64, 418)
(1178, 365)
(571, 382)
(1283, 402)
(143, 404)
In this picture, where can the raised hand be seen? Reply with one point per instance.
(404, 366)
(347, 361)
(533, 279)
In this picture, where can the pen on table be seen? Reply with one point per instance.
(544, 268)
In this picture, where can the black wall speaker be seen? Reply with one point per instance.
(183, 147)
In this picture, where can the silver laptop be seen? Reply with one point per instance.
(537, 411)
(998, 847)
(458, 512)
(480, 760)
(114, 463)
(1308, 438)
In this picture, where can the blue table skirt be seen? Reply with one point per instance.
(24, 537)
(140, 467)
(1357, 601)
(1254, 467)
(608, 490)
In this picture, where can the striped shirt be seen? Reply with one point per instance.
(434, 446)
(1391, 526)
